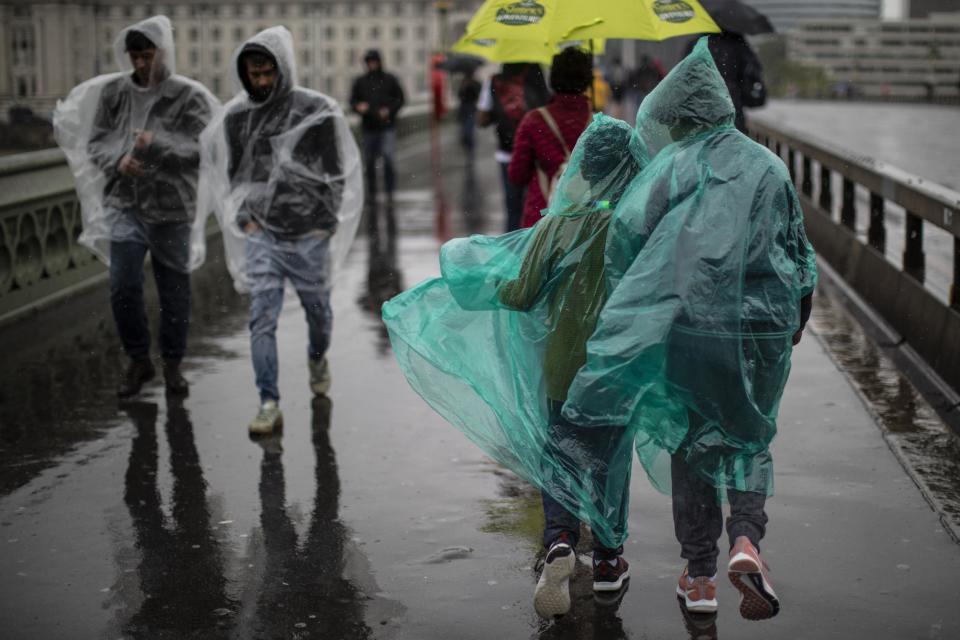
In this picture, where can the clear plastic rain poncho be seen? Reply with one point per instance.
(707, 261)
(288, 163)
(494, 343)
(133, 187)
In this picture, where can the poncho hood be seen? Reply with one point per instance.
(692, 100)
(277, 42)
(160, 32)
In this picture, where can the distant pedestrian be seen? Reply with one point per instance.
(285, 174)
(546, 135)
(641, 81)
(468, 94)
(599, 92)
(378, 97)
(618, 80)
(504, 100)
(132, 139)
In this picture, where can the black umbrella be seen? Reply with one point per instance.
(461, 63)
(737, 17)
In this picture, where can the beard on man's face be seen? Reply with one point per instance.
(260, 94)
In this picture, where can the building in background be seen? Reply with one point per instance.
(48, 47)
(923, 8)
(786, 14)
(896, 59)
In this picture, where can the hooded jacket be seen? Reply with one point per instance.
(378, 89)
(283, 153)
(174, 109)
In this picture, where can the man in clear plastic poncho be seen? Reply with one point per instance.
(282, 171)
(132, 141)
(710, 274)
(493, 344)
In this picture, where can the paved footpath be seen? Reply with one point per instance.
(371, 517)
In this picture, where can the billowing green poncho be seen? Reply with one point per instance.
(655, 307)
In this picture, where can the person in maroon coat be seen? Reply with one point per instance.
(538, 151)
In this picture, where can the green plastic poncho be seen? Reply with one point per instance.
(494, 343)
(664, 327)
(707, 261)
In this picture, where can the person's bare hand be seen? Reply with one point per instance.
(251, 227)
(143, 140)
(384, 113)
(797, 337)
(130, 167)
(362, 107)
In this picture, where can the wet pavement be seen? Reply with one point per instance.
(372, 518)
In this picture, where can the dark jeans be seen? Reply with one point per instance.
(377, 143)
(595, 447)
(468, 120)
(513, 199)
(127, 301)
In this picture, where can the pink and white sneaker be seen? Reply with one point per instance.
(749, 574)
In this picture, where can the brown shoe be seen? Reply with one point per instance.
(138, 372)
(749, 574)
(699, 594)
(176, 383)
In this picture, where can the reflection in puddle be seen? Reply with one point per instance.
(57, 386)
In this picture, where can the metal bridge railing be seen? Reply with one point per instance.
(885, 201)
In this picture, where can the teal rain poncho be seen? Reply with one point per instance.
(707, 261)
(688, 321)
(494, 343)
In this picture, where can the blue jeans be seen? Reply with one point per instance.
(270, 262)
(513, 199)
(376, 143)
(173, 288)
(600, 441)
(468, 120)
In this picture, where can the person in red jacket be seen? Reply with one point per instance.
(538, 150)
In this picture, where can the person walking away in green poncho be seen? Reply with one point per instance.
(711, 280)
(565, 261)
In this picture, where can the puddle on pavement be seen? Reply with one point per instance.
(927, 446)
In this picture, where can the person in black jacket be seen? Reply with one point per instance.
(286, 153)
(137, 167)
(378, 97)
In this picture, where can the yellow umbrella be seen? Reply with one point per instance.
(505, 50)
(549, 21)
(520, 50)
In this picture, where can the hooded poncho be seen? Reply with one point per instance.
(493, 344)
(707, 261)
(96, 125)
(287, 162)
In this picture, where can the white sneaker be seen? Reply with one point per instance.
(268, 419)
(552, 595)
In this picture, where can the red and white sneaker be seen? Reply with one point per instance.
(610, 577)
(698, 594)
(748, 573)
(552, 595)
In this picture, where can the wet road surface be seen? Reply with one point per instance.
(371, 517)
